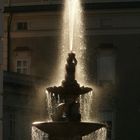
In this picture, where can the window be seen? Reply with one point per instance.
(22, 66)
(22, 26)
(106, 65)
(22, 59)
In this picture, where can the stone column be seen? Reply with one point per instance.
(1, 70)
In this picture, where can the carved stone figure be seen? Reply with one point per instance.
(70, 67)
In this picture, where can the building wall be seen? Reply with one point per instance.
(23, 2)
(43, 30)
(46, 29)
(1, 71)
(29, 106)
(118, 27)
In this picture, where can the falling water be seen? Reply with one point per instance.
(38, 134)
(86, 103)
(49, 106)
(97, 135)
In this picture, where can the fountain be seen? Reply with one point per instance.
(66, 119)
(66, 124)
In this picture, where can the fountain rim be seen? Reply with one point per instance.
(70, 129)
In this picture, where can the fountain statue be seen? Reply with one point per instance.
(66, 124)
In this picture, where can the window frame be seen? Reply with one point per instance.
(22, 25)
(108, 53)
(22, 67)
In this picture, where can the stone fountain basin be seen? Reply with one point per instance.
(68, 129)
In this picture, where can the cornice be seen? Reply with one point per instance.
(59, 7)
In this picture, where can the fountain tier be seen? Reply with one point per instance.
(69, 86)
(66, 129)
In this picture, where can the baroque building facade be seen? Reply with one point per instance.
(31, 37)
